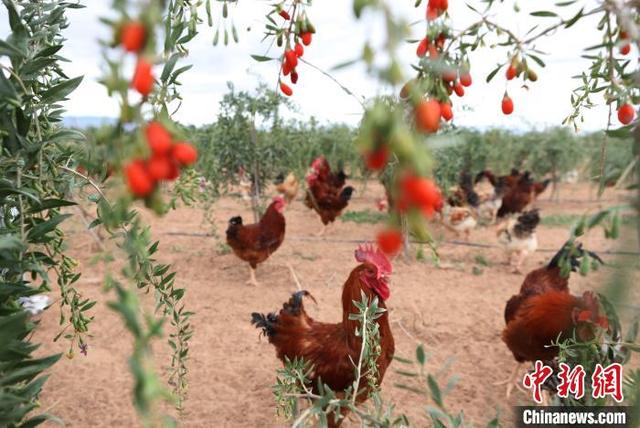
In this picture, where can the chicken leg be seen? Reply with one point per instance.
(252, 279)
(511, 380)
(321, 231)
(520, 257)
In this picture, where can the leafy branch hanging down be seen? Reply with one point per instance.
(158, 156)
(33, 195)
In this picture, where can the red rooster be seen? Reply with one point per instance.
(254, 243)
(544, 311)
(332, 349)
(326, 193)
(518, 197)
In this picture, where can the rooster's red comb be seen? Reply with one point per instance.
(366, 253)
(317, 162)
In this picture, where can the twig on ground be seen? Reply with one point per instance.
(295, 277)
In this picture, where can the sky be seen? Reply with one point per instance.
(339, 38)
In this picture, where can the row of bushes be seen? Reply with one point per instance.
(251, 133)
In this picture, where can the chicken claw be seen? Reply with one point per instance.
(510, 381)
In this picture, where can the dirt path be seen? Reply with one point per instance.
(456, 311)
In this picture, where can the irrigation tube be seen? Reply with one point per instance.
(445, 242)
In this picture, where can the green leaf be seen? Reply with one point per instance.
(261, 58)
(622, 132)
(169, 66)
(60, 91)
(48, 204)
(39, 231)
(575, 19)
(8, 49)
(435, 390)
(420, 355)
(48, 51)
(406, 373)
(537, 60)
(36, 66)
(544, 14)
(8, 92)
(493, 73)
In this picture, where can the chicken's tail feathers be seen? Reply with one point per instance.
(346, 193)
(265, 322)
(292, 308)
(294, 305)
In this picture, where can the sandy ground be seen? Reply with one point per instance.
(456, 313)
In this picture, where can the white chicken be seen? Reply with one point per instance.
(460, 220)
(518, 237)
(489, 199)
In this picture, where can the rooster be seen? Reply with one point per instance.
(332, 349)
(254, 243)
(518, 237)
(326, 193)
(544, 311)
(539, 187)
(522, 194)
(287, 187)
(518, 197)
(505, 181)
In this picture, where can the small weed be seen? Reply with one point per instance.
(482, 260)
(304, 256)
(559, 220)
(223, 249)
(365, 216)
(176, 249)
(477, 271)
(566, 220)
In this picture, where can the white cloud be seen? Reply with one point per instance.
(339, 38)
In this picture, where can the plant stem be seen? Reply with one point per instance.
(356, 382)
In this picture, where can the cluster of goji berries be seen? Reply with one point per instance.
(626, 112)
(415, 192)
(167, 157)
(302, 35)
(133, 37)
(515, 69)
(429, 112)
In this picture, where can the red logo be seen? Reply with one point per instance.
(605, 382)
(571, 381)
(534, 381)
